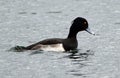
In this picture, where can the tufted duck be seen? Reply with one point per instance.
(69, 43)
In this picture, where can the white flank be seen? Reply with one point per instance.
(52, 47)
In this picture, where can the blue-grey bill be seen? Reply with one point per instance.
(89, 31)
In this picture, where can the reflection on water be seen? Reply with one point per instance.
(76, 54)
(79, 60)
(36, 52)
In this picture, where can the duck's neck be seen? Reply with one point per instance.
(72, 34)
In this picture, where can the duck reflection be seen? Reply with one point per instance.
(76, 54)
(79, 60)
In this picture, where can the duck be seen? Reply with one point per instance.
(63, 44)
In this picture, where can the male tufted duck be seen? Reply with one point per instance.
(67, 44)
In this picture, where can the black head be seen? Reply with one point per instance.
(79, 24)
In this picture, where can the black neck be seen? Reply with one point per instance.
(72, 34)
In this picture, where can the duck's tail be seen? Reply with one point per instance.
(18, 49)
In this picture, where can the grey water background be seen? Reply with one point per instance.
(23, 22)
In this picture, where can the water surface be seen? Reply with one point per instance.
(25, 22)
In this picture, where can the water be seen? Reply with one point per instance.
(25, 22)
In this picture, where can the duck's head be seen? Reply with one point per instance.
(80, 24)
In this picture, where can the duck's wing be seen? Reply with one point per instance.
(46, 42)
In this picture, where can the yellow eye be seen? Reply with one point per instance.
(85, 22)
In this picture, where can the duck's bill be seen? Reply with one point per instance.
(89, 31)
